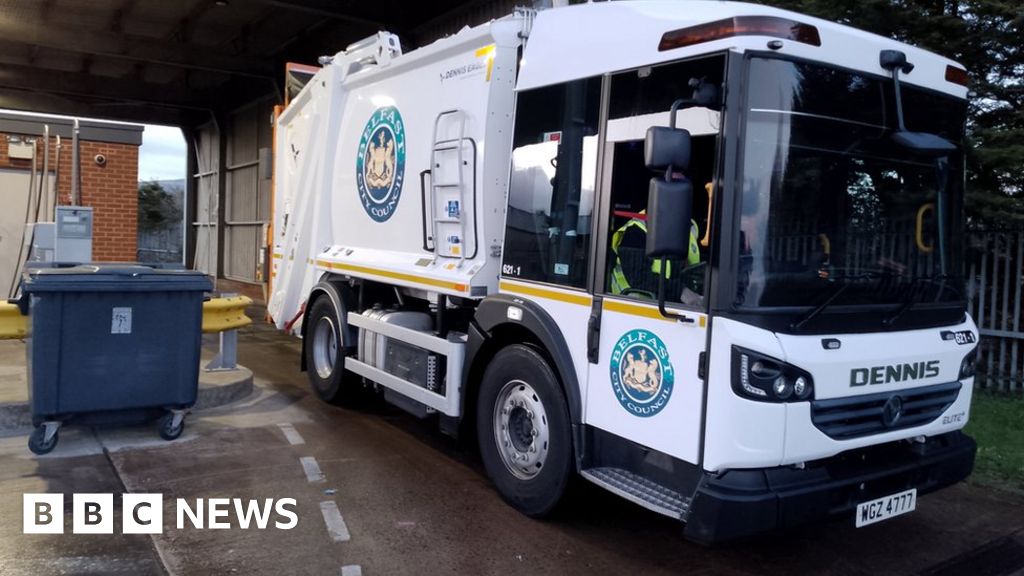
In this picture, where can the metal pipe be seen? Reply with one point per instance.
(44, 191)
(24, 230)
(76, 172)
(56, 178)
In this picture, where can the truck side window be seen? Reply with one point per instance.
(640, 99)
(551, 193)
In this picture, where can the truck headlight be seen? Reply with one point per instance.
(969, 365)
(766, 379)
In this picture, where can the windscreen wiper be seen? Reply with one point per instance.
(813, 313)
(912, 300)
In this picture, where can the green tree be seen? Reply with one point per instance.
(985, 36)
(157, 208)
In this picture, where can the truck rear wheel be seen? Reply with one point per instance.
(325, 355)
(523, 430)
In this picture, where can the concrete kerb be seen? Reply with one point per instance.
(215, 389)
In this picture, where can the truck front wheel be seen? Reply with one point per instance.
(523, 430)
(325, 355)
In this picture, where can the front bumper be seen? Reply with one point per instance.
(744, 502)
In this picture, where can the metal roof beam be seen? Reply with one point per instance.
(51, 104)
(33, 79)
(134, 48)
(187, 25)
(326, 8)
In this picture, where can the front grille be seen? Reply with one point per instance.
(855, 416)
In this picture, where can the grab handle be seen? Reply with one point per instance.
(706, 240)
(919, 232)
(423, 210)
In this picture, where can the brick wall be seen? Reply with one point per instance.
(111, 190)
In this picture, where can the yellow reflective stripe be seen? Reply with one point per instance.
(619, 281)
(693, 258)
(634, 310)
(569, 298)
(395, 275)
(644, 311)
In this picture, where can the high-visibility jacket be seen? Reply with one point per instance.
(619, 282)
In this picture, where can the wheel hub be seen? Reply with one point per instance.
(521, 429)
(325, 348)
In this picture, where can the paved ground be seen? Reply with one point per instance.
(403, 499)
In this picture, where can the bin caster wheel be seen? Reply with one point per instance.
(172, 425)
(39, 444)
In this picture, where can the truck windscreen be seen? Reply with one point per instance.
(834, 213)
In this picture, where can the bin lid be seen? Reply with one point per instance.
(115, 278)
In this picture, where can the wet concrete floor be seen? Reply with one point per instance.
(379, 492)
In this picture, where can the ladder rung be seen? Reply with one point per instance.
(441, 146)
(447, 220)
(446, 184)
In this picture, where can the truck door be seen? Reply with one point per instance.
(644, 381)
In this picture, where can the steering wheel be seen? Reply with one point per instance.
(642, 293)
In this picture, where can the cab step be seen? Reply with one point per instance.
(640, 490)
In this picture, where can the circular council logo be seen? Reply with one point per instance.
(380, 163)
(642, 375)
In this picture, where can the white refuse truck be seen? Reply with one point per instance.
(706, 255)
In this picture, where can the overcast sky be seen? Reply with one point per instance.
(162, 155)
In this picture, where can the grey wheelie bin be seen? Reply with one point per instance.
(112, 343)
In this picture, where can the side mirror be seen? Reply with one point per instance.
(666, 148)
(923, 143)
(668, 218)
(669, 202)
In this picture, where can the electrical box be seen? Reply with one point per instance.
(42, 236)
(73, 242)
(21, 149)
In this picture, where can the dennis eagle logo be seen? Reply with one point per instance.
(642, 376)
(380, 163)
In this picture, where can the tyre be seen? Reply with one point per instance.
(37, 441)
(168, 431)
(325, 356)
(524, 431)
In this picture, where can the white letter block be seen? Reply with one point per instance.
(93, 514)
(43, 513)
(142, 513)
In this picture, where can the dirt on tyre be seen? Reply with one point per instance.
(325, 356)
(524, 432)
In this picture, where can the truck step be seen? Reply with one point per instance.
(640, 490)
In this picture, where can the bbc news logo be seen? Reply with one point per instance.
(144, 513)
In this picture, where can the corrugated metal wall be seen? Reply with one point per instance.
(206, 199)
(247, 209)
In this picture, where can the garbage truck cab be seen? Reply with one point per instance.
(706, 255)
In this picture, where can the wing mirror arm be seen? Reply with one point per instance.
(661, 298)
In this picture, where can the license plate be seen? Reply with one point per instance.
(886, 507)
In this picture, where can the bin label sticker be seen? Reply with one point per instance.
(121, 321)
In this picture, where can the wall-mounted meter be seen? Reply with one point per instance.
(74, 234)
